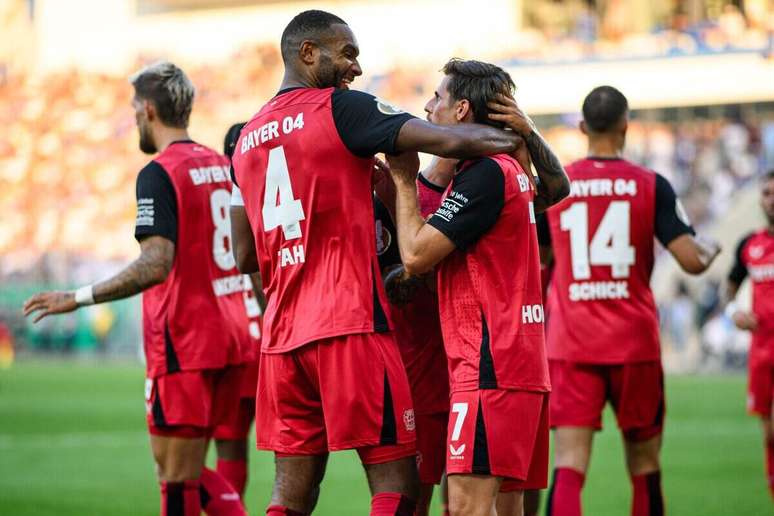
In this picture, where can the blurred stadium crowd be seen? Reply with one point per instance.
(69, 156)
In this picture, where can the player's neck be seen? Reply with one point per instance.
(167, 135)
(604, 150)
(292, 80)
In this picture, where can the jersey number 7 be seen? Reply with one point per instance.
(611, 244)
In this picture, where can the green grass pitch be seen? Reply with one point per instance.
(73, 442)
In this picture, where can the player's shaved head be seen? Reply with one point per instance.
(313, 25)
(604, 108)
(478, 83)
(169, 90)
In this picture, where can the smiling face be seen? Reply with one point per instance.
(336, 64)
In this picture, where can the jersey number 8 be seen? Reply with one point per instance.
(611, 244)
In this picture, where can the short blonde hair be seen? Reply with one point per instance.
(169, 89)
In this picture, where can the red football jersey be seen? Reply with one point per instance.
(196, 318)
(489, 287)
(308, 197)
(756, 256)
(600, 303)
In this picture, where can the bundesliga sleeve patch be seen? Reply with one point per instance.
(145, 212)
(386, 108)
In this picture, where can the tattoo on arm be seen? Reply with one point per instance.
(554, 184)
(151, 268)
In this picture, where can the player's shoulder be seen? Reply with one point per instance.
(485, 167)
(758, 236)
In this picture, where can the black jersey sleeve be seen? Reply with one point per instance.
(543, 229)
(671, 219)
(738, 271)
(386, 236)
(366, 124)
(473, 205)
(156, 204)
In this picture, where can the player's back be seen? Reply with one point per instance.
(601, 308)
(308, 199)
(196, 318)
(490, 298)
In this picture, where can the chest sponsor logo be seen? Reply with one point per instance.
(762, 273)
(457, 453)
(383, 238)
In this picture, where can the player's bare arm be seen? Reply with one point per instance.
(744, 320)
(151, 268)
(421, 245)
(694, 254)
(554, 184)
(457, 141)
(242, 241)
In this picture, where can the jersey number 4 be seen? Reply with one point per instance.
(611, 244)
(280, 208)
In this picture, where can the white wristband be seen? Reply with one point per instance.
(731, 309)
(85, 295)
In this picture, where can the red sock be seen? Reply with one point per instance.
(770, 466)
(235, 471)
(564, 498)
(218, 496)
(279, 510)
(392, 504)
(180, 498)
(647, 499)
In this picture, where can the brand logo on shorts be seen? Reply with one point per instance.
(408, 420)
(456, 453)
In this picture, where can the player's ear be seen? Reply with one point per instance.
(149, 109)
(583, 128)
(462, 109)
(308, 52)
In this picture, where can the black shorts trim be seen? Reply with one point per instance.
(389, 425)
(173, 364)
(480, 446)
(486, 371)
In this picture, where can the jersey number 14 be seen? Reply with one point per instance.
(611, 244)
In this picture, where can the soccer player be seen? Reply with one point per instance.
(231, 434)
(484, 243)
(194, 317)
(330, 377)
(603, 342)
(755, 257)
(414, 309)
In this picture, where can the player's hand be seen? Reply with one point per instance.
(47, 303)
(400, 287)
(403, 167)
(506, 110)
(745, 320)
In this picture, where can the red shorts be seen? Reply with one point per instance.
(502, 433)
(190, 403)
(431, 446)
(760, 387)
(336, 394)
(636, 392)
(236, 421)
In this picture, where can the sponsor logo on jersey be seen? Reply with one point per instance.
(408, 420)
(756, 251)
(456, 453)
(386, 108)
(383, 238)
(760, 273)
